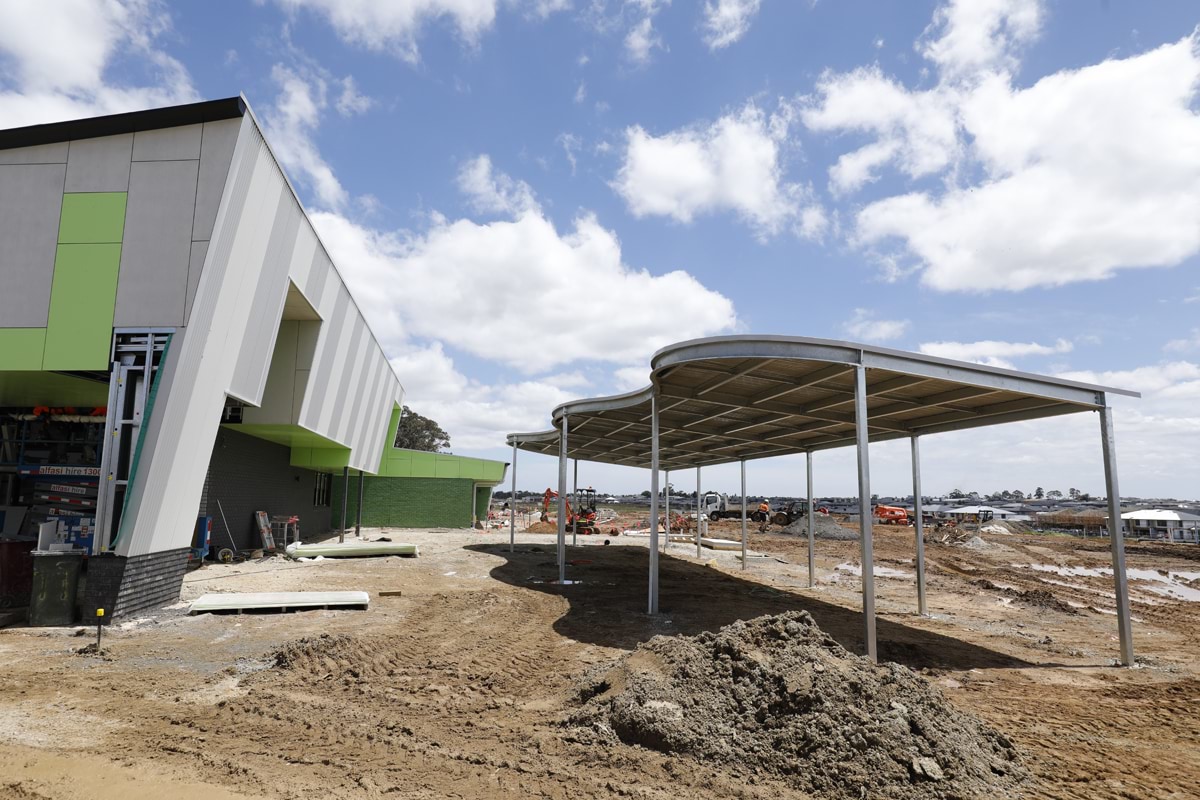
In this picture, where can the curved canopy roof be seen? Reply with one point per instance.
(728, 398)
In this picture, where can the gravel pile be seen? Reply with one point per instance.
(824, 527)
(777, 695)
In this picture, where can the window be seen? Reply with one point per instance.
(321, 489)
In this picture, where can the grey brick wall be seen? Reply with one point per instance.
(247, 474)
(124, 586)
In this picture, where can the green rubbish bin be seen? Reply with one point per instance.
(55, 583)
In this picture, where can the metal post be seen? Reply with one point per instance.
(345, 502)
(667, 542)
(865, 510)
(745, 536)
(812, 564)
(575, 516)
(562, 500)
(653, 602)
(358, 513)
(697, 512)
(1116, 538)
(919, 527)
(512, 505)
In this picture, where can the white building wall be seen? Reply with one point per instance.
(261, 242)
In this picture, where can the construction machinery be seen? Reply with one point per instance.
(891, 515)
(716, 506)
(793, 511)
(585, 520)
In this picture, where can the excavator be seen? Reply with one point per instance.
(585, 522)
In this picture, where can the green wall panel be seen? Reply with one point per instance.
(92, 218)
(22, 348)
(82, 299)
(408, 502)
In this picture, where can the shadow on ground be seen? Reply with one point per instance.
(608, 607)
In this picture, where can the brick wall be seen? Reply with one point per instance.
(408, 502)
(124, 586)
(247, 474)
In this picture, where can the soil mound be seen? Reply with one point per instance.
(1039, 598)
(543, 527)
(779, 695)
(823, 528)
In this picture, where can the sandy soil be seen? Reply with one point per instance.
(458, 687)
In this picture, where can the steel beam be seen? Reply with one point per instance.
(575, 516)
(1116, 538)
(865, 512)
(653, 600)
(345, 502)
(358, 513)
(919, 526)
(562, 498)
(745, 502)
(698, 498)
(512, 504)
(667, 479)
(812, 565)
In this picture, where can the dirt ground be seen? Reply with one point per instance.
(458, 688)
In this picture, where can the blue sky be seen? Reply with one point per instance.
(530, 196)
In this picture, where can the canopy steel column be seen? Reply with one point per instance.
(667, 513)
(745, 502)
(812, 566)
(357, 513)
(512, 504)
(864, 510)
(919, 527)
(575, 516)
(653, 604)
(697, 512)
(345, 502)
(562, 500)
(1116, 538)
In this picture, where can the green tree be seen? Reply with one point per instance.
(1054, 494)
(1039, 493)
(416, 432)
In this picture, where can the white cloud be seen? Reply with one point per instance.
(976, 35)
(351, 101)
(726, 21)
(491, 192)
(1191, 342)
(575, 300)
(733, 164)
(394, 26)
(581, 92)
(630, 379)
(865, 327)
(520, 292)
(915, 130)
(55, 59)
(475, 414)
(570, 144)
(993, 353)
(291, 124)
(642, 39)
(1084, 173)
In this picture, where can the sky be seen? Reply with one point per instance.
(529, 197)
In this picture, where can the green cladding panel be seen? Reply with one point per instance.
(21, 348)
(92, 218)
(82, 299)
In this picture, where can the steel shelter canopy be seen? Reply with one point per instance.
(729, 398)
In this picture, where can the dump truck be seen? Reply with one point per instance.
(716, 505)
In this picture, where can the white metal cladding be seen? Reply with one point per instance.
(30, 201)
(258, 249)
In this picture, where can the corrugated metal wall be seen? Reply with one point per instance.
(261, 244)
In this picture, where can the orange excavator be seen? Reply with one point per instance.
(585, 522)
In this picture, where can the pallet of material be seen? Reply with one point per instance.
(351, 549)
(282, 601)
